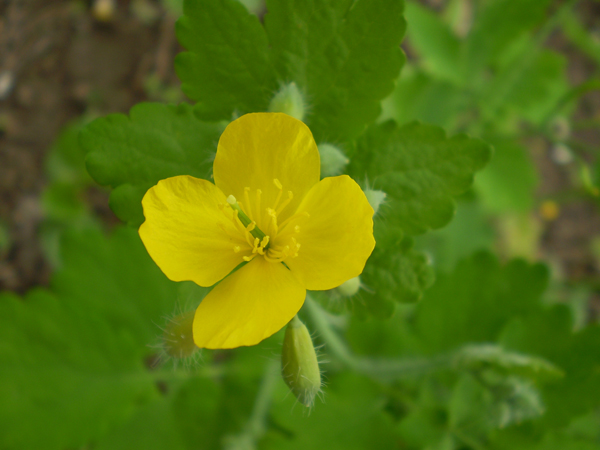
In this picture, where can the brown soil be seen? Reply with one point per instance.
(57, 63)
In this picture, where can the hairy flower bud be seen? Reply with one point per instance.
(349, 288)
(375, 198)
(299, 365)
(288, 100)
(178, 338)
(333, 160)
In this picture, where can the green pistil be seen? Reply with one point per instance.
(256, 232)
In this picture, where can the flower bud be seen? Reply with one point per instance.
(288, 100)
(549, 210)
(375, 198)
(178, 337)
(299, 365)
(333, 160)
(349, 288)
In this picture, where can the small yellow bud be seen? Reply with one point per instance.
(549, 210)
(333, 160)
(178, 337)
(288, 100)
(299, 365)
(349, 288)
(375, 198)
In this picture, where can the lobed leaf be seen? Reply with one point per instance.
(344, 55)
(154, 142)
(74, 358)
(227, 67)
(420, 170)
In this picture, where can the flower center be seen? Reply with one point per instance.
(275, 241)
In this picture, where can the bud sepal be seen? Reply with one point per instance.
(299, 364)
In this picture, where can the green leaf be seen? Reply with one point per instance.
(508, 183)
(74, 358)
(153, 427)
(418, 96)
(475, 301)
(425, 424)
(67, 375)
(155, 142)
(550, 335)
(227, 66)
(394, 273)
(483, 356)
(352, 418)
(469, 231)
(180, 420)
(65, 161)
(420, 169)
(576, 31)
(129, 290)
(530, 84)
(496, 26)
(476, 407)
(438, 47)
(344, 55)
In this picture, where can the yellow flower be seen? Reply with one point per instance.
(267, 209)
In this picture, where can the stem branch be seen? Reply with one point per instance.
(379, 368)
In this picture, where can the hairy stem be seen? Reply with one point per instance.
(384, 369)
(256, 426)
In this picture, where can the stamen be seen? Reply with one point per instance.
(280, 187)
(258, 204)
(297, 229)
(273, 215)
(255, 245)
(286, 202)
(247, 201)
(271, 259)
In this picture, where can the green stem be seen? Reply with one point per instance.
(378, 368)
(256, 426)
(334, 343)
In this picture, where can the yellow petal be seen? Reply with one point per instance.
(258, 148)
(337, 238)
(186, 233)
(248, 306)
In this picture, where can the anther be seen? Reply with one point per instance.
(278, 183)
(236, 249)
(286, 202)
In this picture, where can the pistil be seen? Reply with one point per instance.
(246, 221)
